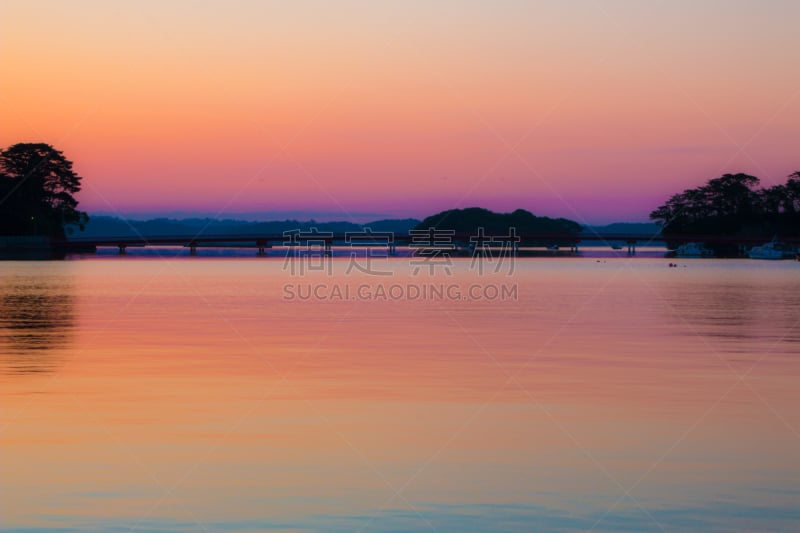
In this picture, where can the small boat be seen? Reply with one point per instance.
(616, 246)
(771, 250)
(693, 249)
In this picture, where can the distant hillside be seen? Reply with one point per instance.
(462, 220)
(636, 228)
(470, 219)
(106, 226)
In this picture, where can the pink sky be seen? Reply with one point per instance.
(596, 111)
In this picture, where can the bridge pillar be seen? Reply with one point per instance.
(631, 247)
(192, 248)
(122, 248)
(392, 249)
(328, 249)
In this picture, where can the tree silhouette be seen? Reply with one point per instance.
(37, 185)
(791, 190)
(731, 205)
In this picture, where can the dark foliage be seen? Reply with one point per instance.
(732, 205)
(470, 219)
(37, 185)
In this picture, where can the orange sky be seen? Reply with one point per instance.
(596, 111)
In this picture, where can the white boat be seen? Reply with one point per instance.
(693, 249)
(771, 250)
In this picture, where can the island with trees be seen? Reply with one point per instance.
(476, 221)
(37, 202)
(732, 205)
(470, 219)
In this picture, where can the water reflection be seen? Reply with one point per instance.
(36, 319)
(727, 310)
(196, 396)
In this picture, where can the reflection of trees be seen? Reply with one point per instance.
(36, 318)
(738, 311)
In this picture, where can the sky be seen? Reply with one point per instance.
(594, 110)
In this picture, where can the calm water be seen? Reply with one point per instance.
(193, 394)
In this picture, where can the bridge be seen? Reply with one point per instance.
(431, 239)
